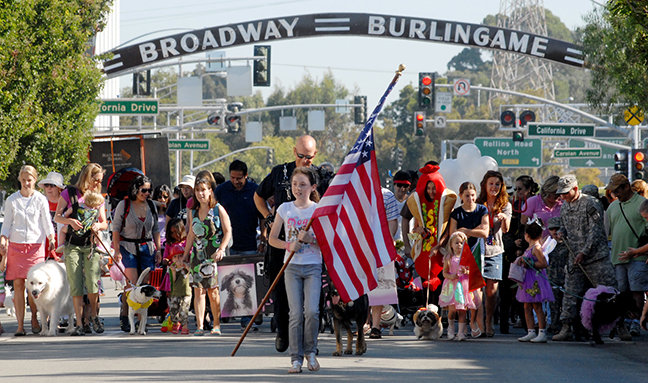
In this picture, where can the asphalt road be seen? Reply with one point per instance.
(115, 356)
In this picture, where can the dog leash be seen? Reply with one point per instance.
(111, 257)
(427, 297)
(561, 288)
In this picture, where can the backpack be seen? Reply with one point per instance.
(79, 237)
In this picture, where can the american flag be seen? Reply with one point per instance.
(350, 221)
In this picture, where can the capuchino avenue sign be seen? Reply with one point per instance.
(335, 24)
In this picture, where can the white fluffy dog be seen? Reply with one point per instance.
(47, 283)
(139, 299)
(427, 323)
(390, 318)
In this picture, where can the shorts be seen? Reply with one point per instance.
(493, 267)
(79, 266)
(140, 261)
(632, 276)
(21, 257)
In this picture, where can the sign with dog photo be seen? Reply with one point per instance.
(385, 293)
(237, 290)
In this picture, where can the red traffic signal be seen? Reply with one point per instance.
(426, 80)
(526, 117)
(507, 118)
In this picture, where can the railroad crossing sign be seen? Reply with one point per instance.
(633, 115)
(461, 87)
(512, 154)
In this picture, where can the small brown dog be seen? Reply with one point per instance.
(343, 315)
(427, 323)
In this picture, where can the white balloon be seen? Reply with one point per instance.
(491, 163)
(467, 155)
(452, 174)
(480, 167)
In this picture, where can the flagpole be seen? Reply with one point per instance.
(267, 296)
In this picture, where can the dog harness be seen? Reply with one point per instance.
(136, 306)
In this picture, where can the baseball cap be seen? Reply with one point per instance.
(53, 178)
(566, 183)
(188, 181)
(554, 222)
(402, 177)
(616, 180)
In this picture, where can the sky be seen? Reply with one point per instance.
(363, 65)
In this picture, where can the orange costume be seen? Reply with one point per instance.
(434, 216)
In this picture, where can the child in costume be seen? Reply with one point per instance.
(454, 292)
(180, 294)
(536, 288)
(88, 211)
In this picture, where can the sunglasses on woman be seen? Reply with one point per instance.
(144, 191)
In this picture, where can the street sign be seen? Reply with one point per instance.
(577, 153)
(202, 145)
(561, 130)
(130, 107)
(439, 121)
(342, 106)
(461, 87)
(443, 102)
(512, 154)
(607, 154)
(633, 115)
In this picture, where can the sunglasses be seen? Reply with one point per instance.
(402, 185)
(303, 155)
(144, 191)
(49, 185)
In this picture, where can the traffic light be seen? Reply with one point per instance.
(399, 158)
(360, 112)
(507, 118)
(426, 90)
(639, 165)
(419, 124)
(518, 136)
(526, 117)
(215, 119)
(270, 157)
(141, 84)
(621, 162)
(261, 69)
(232, 122)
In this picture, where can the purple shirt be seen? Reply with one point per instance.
(536, 205)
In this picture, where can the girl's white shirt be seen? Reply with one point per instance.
(27, 219)
(294, 220)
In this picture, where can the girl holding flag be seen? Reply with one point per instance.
(303, 274)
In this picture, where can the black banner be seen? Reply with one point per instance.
(344, 24)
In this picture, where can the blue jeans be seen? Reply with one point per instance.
(303, 288)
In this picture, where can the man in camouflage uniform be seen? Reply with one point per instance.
(584, 235)
(556, 272)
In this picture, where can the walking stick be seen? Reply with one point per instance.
(267, 296)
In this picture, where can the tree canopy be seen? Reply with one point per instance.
(48, 84)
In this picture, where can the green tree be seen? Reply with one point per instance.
(615, 42)
(48, 84)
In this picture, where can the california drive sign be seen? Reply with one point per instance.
(342, 24)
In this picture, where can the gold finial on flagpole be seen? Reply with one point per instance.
(401, 68)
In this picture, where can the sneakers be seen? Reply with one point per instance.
(97, 325)
(296, 368)
(541, 338)
(528, 337)
(313, 364)
(451, 333)
(635, 329)
(565, 334)
(461, 335)
(375, 334)
(281, 344)
(78, 331)
(622, 332)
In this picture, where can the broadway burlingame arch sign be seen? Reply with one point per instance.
(344, 24)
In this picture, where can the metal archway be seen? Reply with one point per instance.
(342, 24)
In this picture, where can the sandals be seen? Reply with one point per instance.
(313, 364)
(215, 331)
(20, 333)
(36, 329)
(176, 328)
(199, 332)
(185, 331)
(296, 368)
(375, 334)
(476, 333)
